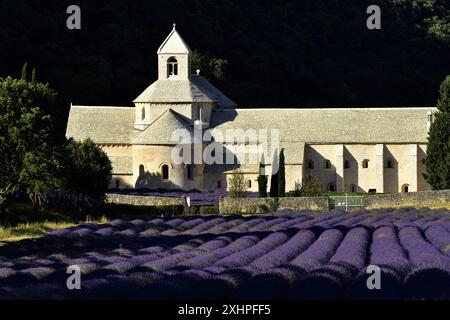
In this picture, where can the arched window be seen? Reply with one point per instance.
(310, 164)
(352, 188)
(331, 187)
(219, 184)
(327, 164)
(189, 172)
(165, 172)
(249, 184)
(143, 113)
(390, 164)
(141, 171)
(172, 67)
(347, 164)
(405, 188)
(365, 164)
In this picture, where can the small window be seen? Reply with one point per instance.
(347, 164)
(365, 164)
(189, 172)
(310, 164)
(352, 188)
(331, 187)
(141, 171)
(117, 184)
(390, 164)
(143, 113)
(249, 184)
(219, 184)
(172, 67)
(405, 188)
(327, 164)
(165, 172)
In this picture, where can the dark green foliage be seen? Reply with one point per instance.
(437, 160)
(28, 159)
(212, 68)
(274, 204)
(33, 75)
(443, 104)
(262, 179)
(274, 177)
(281, 176)
(88, 171)
(24, 72)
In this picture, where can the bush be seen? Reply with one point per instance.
(236, 184)
(274, 204)
(311, 187)
(295, 193)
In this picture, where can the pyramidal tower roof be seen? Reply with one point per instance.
(159, 131)
(174, 43)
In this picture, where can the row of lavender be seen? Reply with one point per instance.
(289, 255)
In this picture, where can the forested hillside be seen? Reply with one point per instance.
(280, 52)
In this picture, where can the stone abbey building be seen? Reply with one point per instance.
(347, 149)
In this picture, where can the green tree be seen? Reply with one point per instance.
(437, 160)
(33, 75)
(39, 175)
(27, 158)
(212, 68)
(274, 177)
(24, 72)
(262, 179)
(281, 176)
(88, 171)
(236, 184)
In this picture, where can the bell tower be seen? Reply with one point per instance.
(174, 58)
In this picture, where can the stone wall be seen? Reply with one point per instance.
(142, 201)
(265, 205)
(423, 199)
(300, 203)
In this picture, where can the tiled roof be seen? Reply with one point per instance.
(328, 126)
(160, 131)
(174, 43)
(104, 125)
(296, 126)
(192, 90)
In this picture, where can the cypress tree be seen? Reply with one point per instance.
(33, 75)
(262, 179)
(281, 176)
(274, 177)
(24, 71)
(437, 160)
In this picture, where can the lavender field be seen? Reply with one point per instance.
(288, 255)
